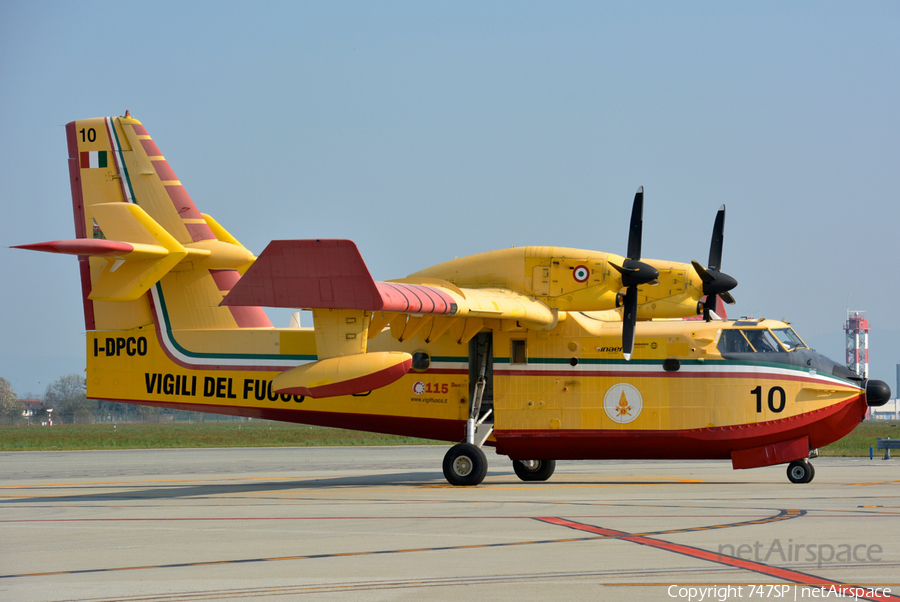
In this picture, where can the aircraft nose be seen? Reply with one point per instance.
(877, 393)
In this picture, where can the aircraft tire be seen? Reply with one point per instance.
(465, 465)
(800, 471)
(541, 472)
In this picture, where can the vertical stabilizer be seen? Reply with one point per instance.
(146, 254)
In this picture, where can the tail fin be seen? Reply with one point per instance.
(138, 230)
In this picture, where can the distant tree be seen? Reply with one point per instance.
(11, 408)
(111, 411)
(149, 413)
(66, 395)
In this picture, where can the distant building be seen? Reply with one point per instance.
(889, 411)
(33, 407)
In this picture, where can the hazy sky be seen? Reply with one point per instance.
(426, 131)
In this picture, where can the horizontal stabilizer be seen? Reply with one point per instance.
(138, 251)
(345, 375)
(329, 274)
(81, 246)
(128, 280)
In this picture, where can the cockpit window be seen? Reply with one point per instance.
(789, 339)
(763, 341)
(733, 341)
(749, 341)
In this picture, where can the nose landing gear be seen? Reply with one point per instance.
(800, 471)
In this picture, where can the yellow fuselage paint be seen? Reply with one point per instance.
(570, 378)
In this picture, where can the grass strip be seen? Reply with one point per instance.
(186, 435)
(857, 443)
(259, 433)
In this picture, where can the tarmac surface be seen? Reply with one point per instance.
(381, 523)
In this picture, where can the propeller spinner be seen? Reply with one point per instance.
(634, 273)
(716, 284)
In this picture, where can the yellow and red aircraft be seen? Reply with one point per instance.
(544, 353)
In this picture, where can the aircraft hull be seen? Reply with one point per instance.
(821, 427)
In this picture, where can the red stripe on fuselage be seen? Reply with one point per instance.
(404, 426)
(823, 426)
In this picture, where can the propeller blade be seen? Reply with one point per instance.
(716, 284)
(629, 319)
(701, 271)
(637, 225)
(715, 245)
(634, 272)
(710, 307)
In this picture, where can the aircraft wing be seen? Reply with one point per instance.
(331, 274)
(330, 277)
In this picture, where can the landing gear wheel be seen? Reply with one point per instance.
(800, 471)
(534, 470)
(465, 465)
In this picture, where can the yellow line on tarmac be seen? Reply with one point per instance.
(235, 479)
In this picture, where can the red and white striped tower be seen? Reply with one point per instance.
(857, 329)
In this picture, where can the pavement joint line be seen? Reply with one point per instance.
(782, 515)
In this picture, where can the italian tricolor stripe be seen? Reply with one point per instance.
(91, 159)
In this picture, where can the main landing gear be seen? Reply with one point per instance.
(465, 464)
(534, 470)
(800, 471)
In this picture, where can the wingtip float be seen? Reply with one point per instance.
(545, 353)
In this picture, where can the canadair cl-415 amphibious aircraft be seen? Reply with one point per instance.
(544, 353)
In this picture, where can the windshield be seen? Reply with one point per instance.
(762, 341)
(789, 338)
(749, 341)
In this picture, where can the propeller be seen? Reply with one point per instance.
(716, 284)
(634, 273)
